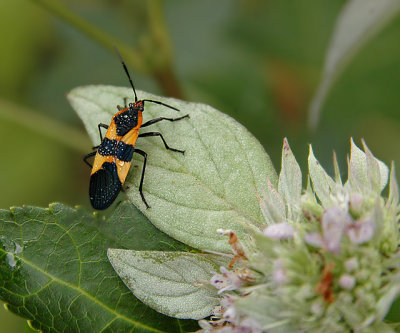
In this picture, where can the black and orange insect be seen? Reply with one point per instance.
(114, 154)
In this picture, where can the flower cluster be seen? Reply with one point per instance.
(328, 259)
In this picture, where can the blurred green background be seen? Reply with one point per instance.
(259, 61)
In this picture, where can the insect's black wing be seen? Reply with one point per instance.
(104, 186)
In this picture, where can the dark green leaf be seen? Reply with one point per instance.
(54, 269)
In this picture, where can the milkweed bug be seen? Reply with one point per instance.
(113, 156)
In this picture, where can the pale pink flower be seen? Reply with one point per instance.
(361, 231)
(227, 280)
(347, 281)
(279, 231)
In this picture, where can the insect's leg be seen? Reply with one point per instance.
(96, 147)
(87, 156)
(119, 107)
(156, 120)
(104, 126)
(162, 138)
(141, 152)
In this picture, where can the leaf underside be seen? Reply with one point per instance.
(54, 269)
(169, 281)
(213, 185)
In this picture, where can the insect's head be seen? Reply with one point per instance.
(137, 106)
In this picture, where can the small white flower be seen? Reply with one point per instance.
(318, 307)
(334, 222)
(356, 202)
(279, 231)
(223, 232)
(351, 264)
(279, 275)
(230, 315)
(340, 198)
(347, 281)
(228, 280)
(314, 239)
(361, 231)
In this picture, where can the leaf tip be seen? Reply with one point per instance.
(286, 146)
(310, 151)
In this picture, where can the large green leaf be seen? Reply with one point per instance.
(212, 186)
(54, 269)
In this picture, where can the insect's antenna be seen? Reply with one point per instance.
(161, 103)
(126, 71)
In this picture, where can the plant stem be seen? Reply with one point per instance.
(159, 35)
(166, 78)
(159, 59)
(54, 130)
(103, 38)
(162, 50)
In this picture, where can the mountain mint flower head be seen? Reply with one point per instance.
(327, 260)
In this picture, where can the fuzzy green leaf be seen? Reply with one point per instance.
(168, 281)
(54, 269)
(213, 185)
(359, 21)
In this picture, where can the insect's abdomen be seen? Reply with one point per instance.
(112, 163)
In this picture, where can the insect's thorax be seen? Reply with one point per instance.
(128, 119)
(118, 143)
